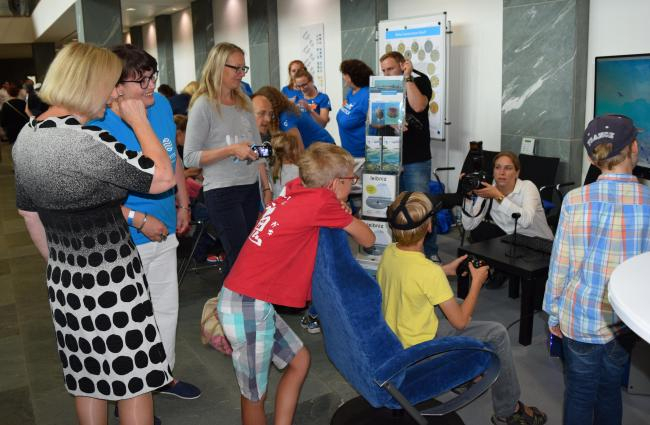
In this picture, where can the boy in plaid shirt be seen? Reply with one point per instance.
(601, 225)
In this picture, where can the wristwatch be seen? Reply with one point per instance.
(408, 79)
(499, 198)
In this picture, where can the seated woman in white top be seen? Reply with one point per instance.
(509, 195)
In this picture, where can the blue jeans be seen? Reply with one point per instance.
(415, 178)
(233, 212)
(593, 374)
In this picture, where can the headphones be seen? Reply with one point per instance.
(436, 202)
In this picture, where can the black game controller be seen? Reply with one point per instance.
(463, 267)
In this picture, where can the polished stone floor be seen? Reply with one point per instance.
(31, 385)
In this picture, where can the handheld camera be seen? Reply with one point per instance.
(474, 179)
(264, 150)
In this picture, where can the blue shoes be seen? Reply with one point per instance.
(181, 389)
(310, 323)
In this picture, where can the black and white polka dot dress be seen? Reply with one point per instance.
(76, 177)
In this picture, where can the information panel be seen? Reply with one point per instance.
(423, 41)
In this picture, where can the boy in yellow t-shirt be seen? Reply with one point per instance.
(412, 286)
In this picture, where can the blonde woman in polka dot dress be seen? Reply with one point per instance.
(70, 182)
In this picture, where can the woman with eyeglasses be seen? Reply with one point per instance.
(220, 132)
(154, 220)
(311, 100)
(71, 179)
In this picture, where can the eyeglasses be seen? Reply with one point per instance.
(261, 114)
(300, 86)
(355, 179)
(239, 69)
(144, 81)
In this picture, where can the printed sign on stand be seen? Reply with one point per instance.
(379, 191)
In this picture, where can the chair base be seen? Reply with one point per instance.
(358, 411)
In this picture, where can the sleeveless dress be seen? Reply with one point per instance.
(76, 177)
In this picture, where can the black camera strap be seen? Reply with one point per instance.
(462, 207)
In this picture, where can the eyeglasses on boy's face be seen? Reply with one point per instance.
(238, 69)
(144, 81)
(355, 179)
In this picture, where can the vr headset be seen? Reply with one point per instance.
(438, 201)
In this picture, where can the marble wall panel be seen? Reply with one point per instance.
(263, 39)
(165, 46)
(544, 78)
(203, 32)
(99, 22)
(136, 36)
(43, 55)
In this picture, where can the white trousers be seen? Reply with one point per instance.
(159, 265)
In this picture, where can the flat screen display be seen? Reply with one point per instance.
(623, 87)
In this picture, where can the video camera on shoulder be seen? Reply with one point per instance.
(473, 179)
(264, 150)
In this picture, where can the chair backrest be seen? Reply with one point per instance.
(348, 300)
(541, 170)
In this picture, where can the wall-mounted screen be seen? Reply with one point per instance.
(623, 87)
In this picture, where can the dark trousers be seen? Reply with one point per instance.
(233, 212)
(484, 231)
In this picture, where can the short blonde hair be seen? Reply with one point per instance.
(601, 152)
(418, 206)
(81, 79)
(323, 162)
(212, 75)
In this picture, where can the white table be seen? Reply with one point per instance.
(629, 293)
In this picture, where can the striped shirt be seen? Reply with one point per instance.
(601, 225)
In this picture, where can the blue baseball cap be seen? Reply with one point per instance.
(618, 130)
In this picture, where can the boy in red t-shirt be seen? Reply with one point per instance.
(275, 267)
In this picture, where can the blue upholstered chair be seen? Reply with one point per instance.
(368, 354)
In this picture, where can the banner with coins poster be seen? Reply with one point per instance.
(423, 41)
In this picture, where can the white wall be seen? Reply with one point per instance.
(183, 47)
(149, 40)
(231, 25)
(629, 35)
(293, 14)
(474, 95)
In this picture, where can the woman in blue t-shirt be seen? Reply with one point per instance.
(310, 99)
(290, 89)
(351, 118)
(289, 118)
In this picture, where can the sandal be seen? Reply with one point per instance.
(520, 417)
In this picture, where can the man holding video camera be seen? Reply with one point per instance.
(416, 151)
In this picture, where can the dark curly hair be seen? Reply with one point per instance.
(135, 61)
(358, 71)
(279, 102)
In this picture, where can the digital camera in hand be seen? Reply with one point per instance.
(475, 175)
(463, 267)
(473, 181)
(264, 150)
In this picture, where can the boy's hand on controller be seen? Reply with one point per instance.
(451, 267)
(479, 275)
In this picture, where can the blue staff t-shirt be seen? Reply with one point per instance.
(309, 129)
(292, 94)
(351, 119)
(163, 205)
(320, 101)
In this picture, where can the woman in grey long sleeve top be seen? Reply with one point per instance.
(220, 130)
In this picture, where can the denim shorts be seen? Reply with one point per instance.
(258, 336)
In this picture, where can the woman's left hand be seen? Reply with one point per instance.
(182, 220)
(488, 191)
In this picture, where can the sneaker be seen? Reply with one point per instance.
(435, 258)
(310, 323)
(156, 419)
(182, 390)
(521, 417)
(213, 259)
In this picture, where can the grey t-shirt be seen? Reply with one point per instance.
(209, 129)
